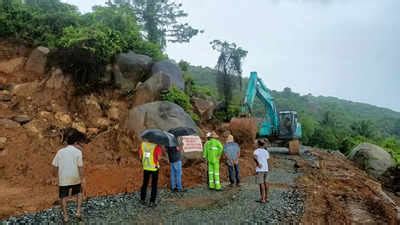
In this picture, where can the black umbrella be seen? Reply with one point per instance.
(160, 137)
(182, 131)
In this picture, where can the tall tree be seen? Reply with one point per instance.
(229, 68)
(159, 19)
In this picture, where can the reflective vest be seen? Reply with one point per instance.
(148, 156)
(213, 150)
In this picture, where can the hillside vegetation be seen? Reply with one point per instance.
(328, 122)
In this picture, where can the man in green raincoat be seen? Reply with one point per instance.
(212, 152)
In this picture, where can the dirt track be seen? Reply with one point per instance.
(314, 188)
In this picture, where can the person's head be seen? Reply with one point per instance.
(212, 135)
(230, 139)
(260, 143)
(73, 136)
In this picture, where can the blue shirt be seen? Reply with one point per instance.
(231, 149)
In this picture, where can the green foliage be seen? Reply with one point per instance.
(180, 98)
(37, 22)
(392, 144)
(159, 18)
(106, 31)
(85, 67)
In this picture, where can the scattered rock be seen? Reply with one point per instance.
(45, 114)
(22, 119)
(7, 123)
(171, 70)
(3, 141)
(80, 126)
(102, 123)
(92, 131)
(25, 89)
(34, 127)
(57, 80)
(12, 65)
(113, 113)
(161, 114)
(374, 159)
(64, 118)
(5, 96)
(37, 60)
(134, 67)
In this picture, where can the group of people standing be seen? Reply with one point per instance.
(68, 163)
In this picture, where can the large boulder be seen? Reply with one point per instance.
(134, 67)
(205, 108)
(37, 60)
(373, 159)
(161, 114)
(124, 84)
(171, 70)
(151, 90)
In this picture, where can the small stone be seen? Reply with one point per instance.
(64, 118)
(3, 141)
(103, 123)
(80, 126)
(22, 119)
(7, 123)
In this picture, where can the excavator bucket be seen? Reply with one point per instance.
(294, 147)
(244, 130)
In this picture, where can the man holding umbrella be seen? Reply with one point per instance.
(212, 152)
(149, 153)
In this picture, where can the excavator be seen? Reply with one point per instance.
(280, 128)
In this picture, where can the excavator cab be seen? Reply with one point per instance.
(289, 127)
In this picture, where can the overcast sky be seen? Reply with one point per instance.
(344, 48)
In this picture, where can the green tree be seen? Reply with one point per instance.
(229, 68)
(364, 128)
(159, 19)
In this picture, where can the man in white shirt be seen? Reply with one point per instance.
(261, 156)
(68, 164)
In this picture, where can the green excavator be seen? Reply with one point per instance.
(282, 128)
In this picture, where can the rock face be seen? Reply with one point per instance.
(57, 80)
(204, 108)
(12, 65)
(171, 70)
(37, 60)
(121, 82)
(134, 67)
(151, 90)
(372, 158)
(161, 114)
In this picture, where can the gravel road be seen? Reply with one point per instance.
(199, 205)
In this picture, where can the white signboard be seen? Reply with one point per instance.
(191, 143)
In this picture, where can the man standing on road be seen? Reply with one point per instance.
(175, 161)
(232, 154)
(149, 154)
(212, 152)
(261, 156)
(69, 165)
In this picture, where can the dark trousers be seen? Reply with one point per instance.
(154, 181)
(233, 171)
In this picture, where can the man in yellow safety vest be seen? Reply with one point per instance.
(149, 154)
(212, 152)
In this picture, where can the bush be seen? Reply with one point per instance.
(179, 97)
(85, 67)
